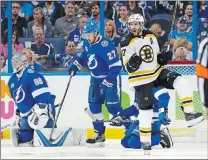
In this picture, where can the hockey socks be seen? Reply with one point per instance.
(145, 120)
(185, 94)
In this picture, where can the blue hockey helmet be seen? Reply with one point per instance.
(19, 62)
(89, 28)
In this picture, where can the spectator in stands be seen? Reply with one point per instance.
(18, 23)
(16, 46)
(122, 21)
(40, 21)
(64, 59)
(180, 32)
(109, 11)
(203, 15)
(53, 10)
(66, 24)
(3, 10)
(164, 7)
(75, 35)
(26, 9)
(3, 64)
(189, 16)
(95, 10)
(110, 32)
(181, 50)
(134, 8)
(41, 47)
(148, 7)
(29, 54)
(157, 30)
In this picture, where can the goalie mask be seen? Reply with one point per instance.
(136, 24)
(19, 62)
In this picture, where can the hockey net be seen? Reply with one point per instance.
(178, 128)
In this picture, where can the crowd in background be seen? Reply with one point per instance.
(51, 30)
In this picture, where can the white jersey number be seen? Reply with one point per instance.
(38, 81)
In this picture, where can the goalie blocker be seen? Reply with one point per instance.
(61, 137)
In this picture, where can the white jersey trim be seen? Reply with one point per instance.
(39, 91)
(118, 63)
(160, 92)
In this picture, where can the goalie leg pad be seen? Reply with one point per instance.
(25, 132)
(60, 137)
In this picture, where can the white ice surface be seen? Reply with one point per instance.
(112, 150)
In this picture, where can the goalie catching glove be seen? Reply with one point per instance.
(133, 63)
(164, 57)
(39, 116)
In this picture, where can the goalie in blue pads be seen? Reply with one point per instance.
(158, 135)
(35, 103)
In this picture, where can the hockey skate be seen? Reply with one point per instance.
(193, 118)
(146, 147)
(96, 141)
(166, 140)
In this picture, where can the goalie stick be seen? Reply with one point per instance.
(61, 105)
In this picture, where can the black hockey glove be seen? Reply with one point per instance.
(164, 57)
(134, 63)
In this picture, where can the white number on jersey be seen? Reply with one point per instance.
(38, 81)
(111, 55)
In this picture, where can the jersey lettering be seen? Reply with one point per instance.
(111, 55)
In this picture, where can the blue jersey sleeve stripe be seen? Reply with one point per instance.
(40, 91)
(160, 92)
(118, 63)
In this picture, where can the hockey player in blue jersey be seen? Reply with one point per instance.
(31, 95)
(103, 61)
(158, 135)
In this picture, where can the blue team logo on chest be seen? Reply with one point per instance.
(19, 94)
(92, 62)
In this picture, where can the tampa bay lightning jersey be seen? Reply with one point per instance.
(101, 57)
(28, 90)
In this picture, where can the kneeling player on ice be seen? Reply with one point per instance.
(103, 61)
(30, 92)
(159, 134)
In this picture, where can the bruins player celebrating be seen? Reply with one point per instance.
(145, 66)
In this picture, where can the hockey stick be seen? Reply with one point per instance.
(91, 115)
(172, 23)
(61, 105)
(5, 127)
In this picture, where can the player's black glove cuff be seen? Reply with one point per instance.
(134, 63)
(164, 57)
